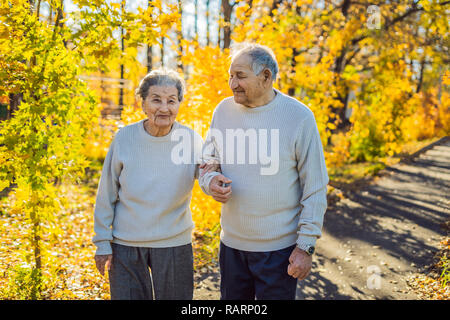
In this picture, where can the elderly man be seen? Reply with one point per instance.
(273, 206)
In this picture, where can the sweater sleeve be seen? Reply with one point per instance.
(210, 154)
(107, 196)
(313, 181)
(198, 146)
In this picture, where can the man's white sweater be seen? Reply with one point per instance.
(278, 173)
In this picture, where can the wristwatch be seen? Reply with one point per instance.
(308, 249)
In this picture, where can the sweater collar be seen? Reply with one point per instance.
(265, 107)
(149, 137)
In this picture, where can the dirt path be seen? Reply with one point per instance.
(378, 236)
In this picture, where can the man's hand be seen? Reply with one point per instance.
(218, 192)
(102, 261)
(300, 264)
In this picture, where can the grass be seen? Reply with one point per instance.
(356, 172)
(349, 173)
(445, 274)
(433, 284)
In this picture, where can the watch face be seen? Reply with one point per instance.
(311, 250)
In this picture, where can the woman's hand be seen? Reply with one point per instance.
(209, 167)
(102, 261)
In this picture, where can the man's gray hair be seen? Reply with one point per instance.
(161, 77)
(262, 57)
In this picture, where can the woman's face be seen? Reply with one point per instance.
(161, 106)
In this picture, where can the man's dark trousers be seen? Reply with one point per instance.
(248, 275)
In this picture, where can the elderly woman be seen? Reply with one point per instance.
(142, 216)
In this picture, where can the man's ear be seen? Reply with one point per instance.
(267, 78)
(267, 75)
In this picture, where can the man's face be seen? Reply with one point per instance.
(246, 86)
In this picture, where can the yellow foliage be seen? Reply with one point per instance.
(98, 139)
(323, 56)
(339, 154)
(446, 78)
(206, 87)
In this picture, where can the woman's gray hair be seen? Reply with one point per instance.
(262, 57)
(161, 77)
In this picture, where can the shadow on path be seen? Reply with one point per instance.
(399, 217)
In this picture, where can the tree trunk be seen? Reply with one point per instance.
(275, 4)
(420, 80)
(219, 31)
(34, 217)
(227, 10)
(196, 20)
(339, 113)
(16, 98)
(180, 37)
(122, 47)
(149, 49)
(149, 58)
(38, 8)
(345, 6)
(207, 23)
(162, 51)
(295, 53)
(37, 241)
(14, 101)
(50, 15)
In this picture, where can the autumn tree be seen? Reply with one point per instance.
(45, 137)
(348, 58)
